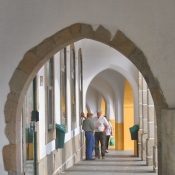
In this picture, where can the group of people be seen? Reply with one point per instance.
(102, 128)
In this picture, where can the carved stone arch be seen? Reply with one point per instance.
(35, 58)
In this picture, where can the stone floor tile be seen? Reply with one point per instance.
(116, 162)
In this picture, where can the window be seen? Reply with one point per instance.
(73, 82)
(50, 107)
(49, 80)
(80, 73)
(63, 79)
(27, 117)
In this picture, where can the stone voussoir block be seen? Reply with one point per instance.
(158, 97)
(76, 30)
(45, 48)
(11, 157)
(29, 62)
(13, 97)
(10, 111)
(20, 77)
(138, 58)
(149, 78)
(63, 37)
(12, 131)
(123, 44)
(102, 35)
(87, 31)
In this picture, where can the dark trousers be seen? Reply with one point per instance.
(89, 144)
(99, 137)
(107, 141)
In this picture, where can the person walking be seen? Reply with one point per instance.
(88, 127)
(108, 134)
(101, 126)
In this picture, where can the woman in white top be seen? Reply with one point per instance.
(108, 134)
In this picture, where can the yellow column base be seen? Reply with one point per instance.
(119, 136)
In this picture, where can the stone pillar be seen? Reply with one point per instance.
(155, 158)
(11, 155)
(168, 141)
(150, 139)
(140, 114)
(144, 135)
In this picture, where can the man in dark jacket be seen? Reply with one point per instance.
(88, 127)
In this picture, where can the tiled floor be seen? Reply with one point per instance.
(116, 162)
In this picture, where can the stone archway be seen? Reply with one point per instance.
(35, 58)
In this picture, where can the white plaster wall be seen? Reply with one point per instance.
(149, 24)
(111, 84)
(41, 110)
(91, 99)
(99, 57)
(117, 82)
(104, 88)
(57, 87)
(48, 148)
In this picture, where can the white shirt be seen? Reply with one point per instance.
(100, 121)
(108, 132)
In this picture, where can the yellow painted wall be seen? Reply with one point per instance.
(128, 110)
(121, 131)
(103, 107)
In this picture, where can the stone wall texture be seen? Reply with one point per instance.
(62, 159)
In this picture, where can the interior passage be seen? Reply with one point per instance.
(115, 162)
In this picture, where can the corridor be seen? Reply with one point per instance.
(116, 162)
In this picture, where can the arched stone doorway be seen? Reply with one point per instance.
(35, 58)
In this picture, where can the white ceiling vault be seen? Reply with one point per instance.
(106, 70)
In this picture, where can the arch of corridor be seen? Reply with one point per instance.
(120, 115)
(35, 58)
(126, 75)
(120, 105)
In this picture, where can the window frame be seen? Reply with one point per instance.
(80, 83)
(73, 85)
(63, 57)
(50, 131)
